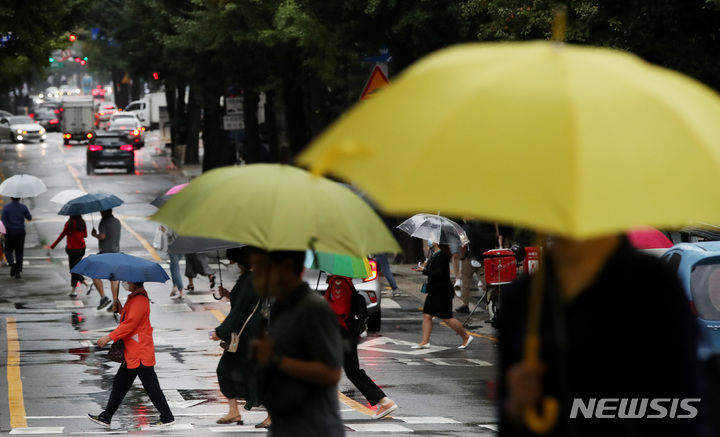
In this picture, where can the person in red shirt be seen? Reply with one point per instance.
(339, 297)
(136, 333)
(76, 232)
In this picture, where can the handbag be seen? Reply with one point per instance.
(424, 288)
(117, 352)
(232, 345)
(160, 242)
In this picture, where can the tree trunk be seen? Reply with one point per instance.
(216, 143)
(251, 147)
(271, 125)
(192, 127)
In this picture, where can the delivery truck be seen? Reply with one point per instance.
(78, 119)
(148, 109)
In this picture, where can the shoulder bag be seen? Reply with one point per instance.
(232, 345)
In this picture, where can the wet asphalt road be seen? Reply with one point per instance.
(53, 375)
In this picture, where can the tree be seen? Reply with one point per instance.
(32, 31)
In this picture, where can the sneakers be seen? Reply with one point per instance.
(104, 301)
(105, 423)
(88, 289)
(72, 293)
(458, 284)
(463, 309)
(384, 409)
(161, 424)
(466, 343)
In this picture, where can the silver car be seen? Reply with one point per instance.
(21, 128)
(368, 287)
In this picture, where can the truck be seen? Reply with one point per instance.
(148, 109)
(78, 119)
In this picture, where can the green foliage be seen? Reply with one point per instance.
(37, 27)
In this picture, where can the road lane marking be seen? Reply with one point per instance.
(357, 406)
(75, 176)
(15, 389)
(218, 315)
(142, 241)
(380, 427)
(38, 430)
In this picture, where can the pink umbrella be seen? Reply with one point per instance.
(175, 189)
(2, 229)
(648, 238)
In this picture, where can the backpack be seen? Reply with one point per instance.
(357, 318)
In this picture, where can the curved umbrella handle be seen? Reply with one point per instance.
(543, 421)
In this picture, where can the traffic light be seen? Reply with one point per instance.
(72, 37)
(51, 59)
(156, 76)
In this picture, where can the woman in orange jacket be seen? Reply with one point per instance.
(136, 333)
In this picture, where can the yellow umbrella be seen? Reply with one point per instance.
(276, 207)
(574, 141)
(570, 140)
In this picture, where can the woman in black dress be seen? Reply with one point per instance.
(235, 375)
(440, 293)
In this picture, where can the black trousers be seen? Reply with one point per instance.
(14, 249)
(74, 257)
(356, 375)
(122, 383)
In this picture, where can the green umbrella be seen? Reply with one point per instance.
(334, 264)
(276, 207)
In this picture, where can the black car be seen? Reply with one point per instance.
(110, 150)
(131, 128)
(47, 118)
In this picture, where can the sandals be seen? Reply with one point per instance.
(237, 419)
(190, 288)
(212, 281)
(174, 292)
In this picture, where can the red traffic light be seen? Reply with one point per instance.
(72, 37)
(156, 76)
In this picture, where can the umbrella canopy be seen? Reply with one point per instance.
(65, 196)
(199, 244)
(570, 140)
(120, 267)
(2, 229)
(160, 200)
(334, 264)
(22, 185)
(276, 207)
(175, 189)
(436, 228)
(648, 238)
(90, 203)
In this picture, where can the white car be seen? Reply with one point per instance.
(20, 129)
(124, 116)
(369, 288)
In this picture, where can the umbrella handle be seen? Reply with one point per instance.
(543, 420)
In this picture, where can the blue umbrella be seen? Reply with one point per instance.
(120, 267)
(90, 203)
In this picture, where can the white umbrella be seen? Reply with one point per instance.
(22, 185)
(437, 228)
(65, 196)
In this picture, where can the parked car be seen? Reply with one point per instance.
(368, 287)
(131, 128)
(698, 267)
(110, 150)
(47, 118)
(21, 129)
(5, 114)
